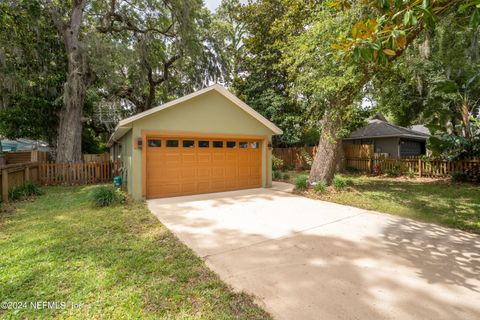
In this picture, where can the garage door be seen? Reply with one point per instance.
(182, 166)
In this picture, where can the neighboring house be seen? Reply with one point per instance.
(24, 145)
(389, 139)
(207, 141)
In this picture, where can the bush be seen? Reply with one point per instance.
(394, 171)
(277, 163)
(276, 175)
(29, 189)
(301, 182)
(104, 196)
(340, 182)
(459, 177)
(352, 169)
(286, 176)
(320, 187)
(411, 174)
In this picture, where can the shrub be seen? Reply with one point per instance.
(459, 177)
(104, 196)
(320, 187)
(352, 169)
(276, 175)
(277, 163)
(301, 182)
(286, 176)
(411, 174)
(394, 171)
(339, 182)
(29, 189)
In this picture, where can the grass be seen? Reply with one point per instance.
(455, 205)
(112, 262)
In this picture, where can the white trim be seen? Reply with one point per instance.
(220, 89)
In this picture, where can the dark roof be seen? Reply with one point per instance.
(382, 129)
(420, 128)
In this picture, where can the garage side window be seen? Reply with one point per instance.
(154, 143)
(218, 144)
(243, 145)
(203, 144)
(188, 143)
(231, 144)
(172, 143)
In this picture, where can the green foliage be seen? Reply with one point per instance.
(104, 196)
(29, 189)
(286, 176)
(32, 71)
(264, 82)
(301, 182)
(456, 146)
(411, 173)
(459, 177)
(352, 169)
(320, 187)
(277, 163)
(339, 182)
(395, 171)
(276, 175)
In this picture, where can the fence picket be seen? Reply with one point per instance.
(433, 168)
(51, 173)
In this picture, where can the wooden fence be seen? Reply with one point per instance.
(26, 156)
(96, 157)
(358, 150)
(433, 168)
(297, 158)
(52, 173)
(13, 175)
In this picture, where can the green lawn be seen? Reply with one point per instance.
(442, 202)
(117, 262)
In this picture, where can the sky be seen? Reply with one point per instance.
(212, 4)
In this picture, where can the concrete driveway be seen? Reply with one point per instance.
(308, 259)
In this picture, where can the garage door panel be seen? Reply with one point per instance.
(231, 157)
(218, 172)
(173, 171)
(203, 186)
(189, 158)
(231, 172)
(189, 187)
(189, 173)
(203, 158)
(204, 172)
(243, 171)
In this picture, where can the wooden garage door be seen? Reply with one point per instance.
(181, 166)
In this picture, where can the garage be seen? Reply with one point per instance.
(191, 165)
(207, 141)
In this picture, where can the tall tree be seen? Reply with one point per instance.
(68, 21)
(263, 81)
(380, 31)
(32, 64)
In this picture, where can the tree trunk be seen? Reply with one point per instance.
(69, 141)
(328, 153)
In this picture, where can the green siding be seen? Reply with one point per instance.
(208, 113)
(126, 160)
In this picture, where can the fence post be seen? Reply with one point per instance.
(419, 167)
(370, 165)
(5, 185)
(26, 174)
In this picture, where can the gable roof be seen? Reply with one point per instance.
(381, 129)
(122, 127)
